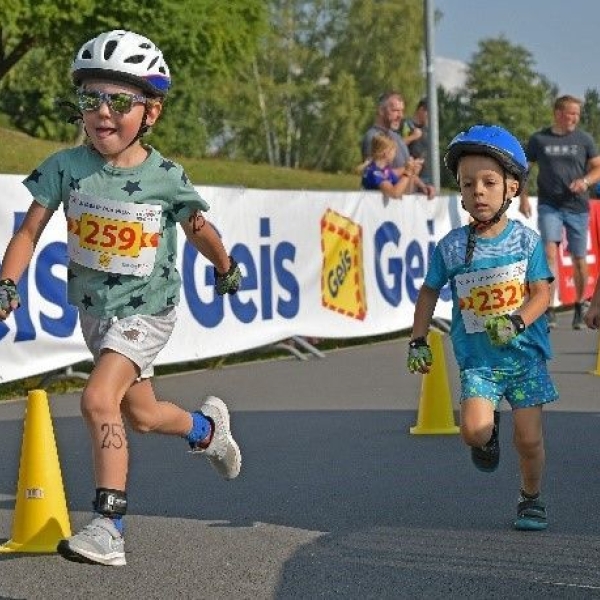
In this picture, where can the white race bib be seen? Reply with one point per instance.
(490, 292)
(116, 237)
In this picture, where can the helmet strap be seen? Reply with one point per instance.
(478, 227)
(143, 128)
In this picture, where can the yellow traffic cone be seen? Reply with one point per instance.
(41, 518)
(435, 406)
(597, 371)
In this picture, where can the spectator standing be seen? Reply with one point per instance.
(568, 166)
(415, 132)
(390, 112)
(377, 173)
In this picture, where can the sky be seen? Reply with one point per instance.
(562, 35)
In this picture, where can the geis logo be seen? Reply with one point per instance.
(342, 277)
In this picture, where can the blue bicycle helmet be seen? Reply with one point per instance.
(493, 141)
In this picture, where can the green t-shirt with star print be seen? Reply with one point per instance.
(122, 228)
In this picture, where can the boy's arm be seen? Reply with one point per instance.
(203, 236)
(537, 303)
(502, 330)
(18, 255)
(424, 308)
(420, 358)
(19, 251)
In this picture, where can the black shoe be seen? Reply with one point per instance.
(551, 318)
(578, 311)
(531, 514)
(486, 458)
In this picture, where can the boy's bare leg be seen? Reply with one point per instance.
(529, 442)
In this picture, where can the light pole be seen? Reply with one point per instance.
(432, 104)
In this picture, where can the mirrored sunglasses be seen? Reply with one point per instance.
(119, 102)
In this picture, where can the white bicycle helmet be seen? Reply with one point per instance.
(123, 56)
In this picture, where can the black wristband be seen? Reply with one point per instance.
(517, 321)
(417, 342)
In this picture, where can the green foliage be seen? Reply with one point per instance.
(590, 114)
(381, 43)
(281, 82)
(455, 117)
(504, 89)
(38, 39)
(308, 95)
(20, 154)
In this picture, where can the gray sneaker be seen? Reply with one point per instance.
(223, 452)
(579, 310)
(99, 542)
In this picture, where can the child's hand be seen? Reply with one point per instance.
(503, 330)
(420, 358)
(9, 297)
(228, 283)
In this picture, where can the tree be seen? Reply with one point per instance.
(455, 117)
(198, 37)
(381, 44)
(60, 26)
(503, 88)
(590, 114)
(307, 96)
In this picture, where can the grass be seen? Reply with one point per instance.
(20, 154)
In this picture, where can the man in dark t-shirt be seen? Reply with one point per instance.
(568, 166)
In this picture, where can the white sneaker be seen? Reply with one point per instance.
(223, 452)
(99, 542)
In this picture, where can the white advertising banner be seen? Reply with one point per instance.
(315, 264)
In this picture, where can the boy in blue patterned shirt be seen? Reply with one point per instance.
(123, 202)
(500, 283)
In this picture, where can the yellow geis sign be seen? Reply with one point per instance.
(342, 276)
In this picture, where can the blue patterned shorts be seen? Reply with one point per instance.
(526, 385)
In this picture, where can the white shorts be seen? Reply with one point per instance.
(140, 337)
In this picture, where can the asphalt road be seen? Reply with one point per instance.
(336, 498)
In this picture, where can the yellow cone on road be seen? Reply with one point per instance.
(435, 414)
(41, 518)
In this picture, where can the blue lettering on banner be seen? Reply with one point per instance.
(51, 288)
(54, 290)
(414, 259)
(269, 285)
(272, 267)
(388, 233)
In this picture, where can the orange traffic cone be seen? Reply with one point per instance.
(435, 405)
(41, 518)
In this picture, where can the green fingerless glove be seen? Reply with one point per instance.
(8, 294)
(503, 330)
(419, 355)
(228, 283)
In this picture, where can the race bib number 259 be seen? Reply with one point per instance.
(118, 237)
